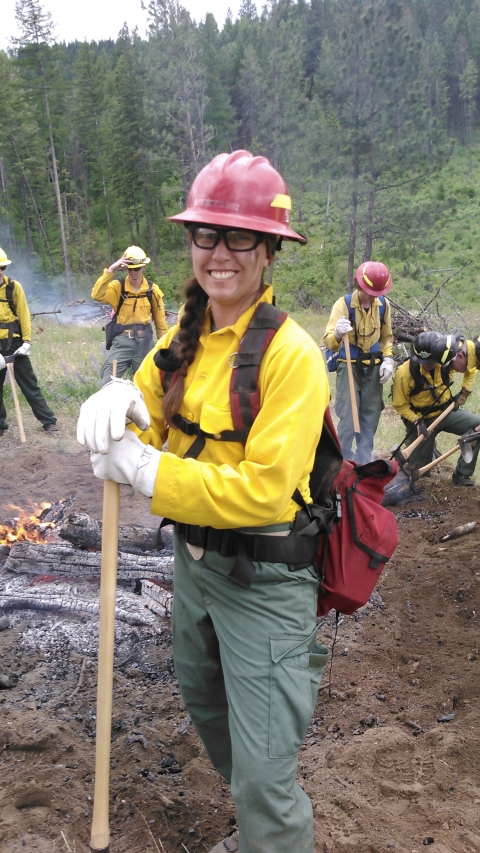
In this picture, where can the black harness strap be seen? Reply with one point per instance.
(421, 383)
(13, 327)
(244, 386)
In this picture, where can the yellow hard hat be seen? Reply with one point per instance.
(135, 257)
(4, 262)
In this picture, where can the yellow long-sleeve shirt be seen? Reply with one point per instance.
(232, 485)
(472, 366)
(136, 308)
(23, 313)
(368, 329)
(403, 385)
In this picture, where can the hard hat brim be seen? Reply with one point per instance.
(234, 220)
(5, 263)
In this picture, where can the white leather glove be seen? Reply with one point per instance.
(3, 363)
(343, 326)
(24, 349)
(128, 461)
(386, 369)
(104, 415)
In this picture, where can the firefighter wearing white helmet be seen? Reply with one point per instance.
(15, 345)
(245, 602)
(135, 302)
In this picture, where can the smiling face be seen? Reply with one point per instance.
(232, 280)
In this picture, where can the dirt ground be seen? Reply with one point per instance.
(391, 760)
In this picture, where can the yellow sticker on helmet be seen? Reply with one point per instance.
(366, 279)
(282, 200)
(447, 349)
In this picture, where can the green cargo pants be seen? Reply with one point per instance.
(369, 397)
(456, 423)
(127, 352)
(28, 384)
(249, 670)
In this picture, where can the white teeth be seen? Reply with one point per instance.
(222, 275)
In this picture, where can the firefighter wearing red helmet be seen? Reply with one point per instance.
(364, 316)
(244, 613)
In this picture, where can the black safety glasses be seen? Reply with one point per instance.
(235, 239)
(2, 269)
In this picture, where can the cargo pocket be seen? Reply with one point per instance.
(296, 668)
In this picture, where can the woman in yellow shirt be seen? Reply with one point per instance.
(244, 618)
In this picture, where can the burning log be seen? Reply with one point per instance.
(61, 560)
(85, 532)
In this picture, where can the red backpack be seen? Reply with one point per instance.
(359, 535)
(362, 536)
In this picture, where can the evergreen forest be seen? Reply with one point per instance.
(369, 109)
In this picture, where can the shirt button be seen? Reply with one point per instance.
(190, 416)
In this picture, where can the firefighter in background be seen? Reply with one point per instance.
(135, 302)
(15, 340)
(244, 626)
(366, 317)
(421, 391)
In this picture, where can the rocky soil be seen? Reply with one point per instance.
(391, 760)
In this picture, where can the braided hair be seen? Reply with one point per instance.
(191, 326)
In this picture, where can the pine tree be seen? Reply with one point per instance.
(36, 64)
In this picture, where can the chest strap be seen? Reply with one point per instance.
(244, 385)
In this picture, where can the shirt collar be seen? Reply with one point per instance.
(240, 327)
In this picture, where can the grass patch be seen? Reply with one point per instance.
(67, 361)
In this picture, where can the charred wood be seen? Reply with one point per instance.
(83, 531)
(61, 560)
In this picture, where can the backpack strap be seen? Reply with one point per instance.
(421, 383)
(244, 387)
(13, 327)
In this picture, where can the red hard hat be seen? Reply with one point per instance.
(374, 278)
(240, 191)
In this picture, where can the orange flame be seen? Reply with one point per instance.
(24, 526)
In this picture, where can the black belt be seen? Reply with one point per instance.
(296, 550)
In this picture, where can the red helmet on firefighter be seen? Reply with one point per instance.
(240, 191)
(374, 278)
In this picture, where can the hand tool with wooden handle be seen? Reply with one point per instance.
(13, 384)
(351, 385)
(463, 444)
(403, 455)
(100, 832)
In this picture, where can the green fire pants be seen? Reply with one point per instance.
(127, 353)
(249, 670)
(457, 423)
(369, 397)
(28, 384)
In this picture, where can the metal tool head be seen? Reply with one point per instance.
(398, 455)
(465, 443)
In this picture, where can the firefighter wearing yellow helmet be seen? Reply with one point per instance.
(15, 346)
(135, 302)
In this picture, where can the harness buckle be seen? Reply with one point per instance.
(230, 363)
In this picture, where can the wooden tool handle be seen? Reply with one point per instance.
(351, 385)
(448, 453)
(100, 833)
(411, 447)
(11, 374)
